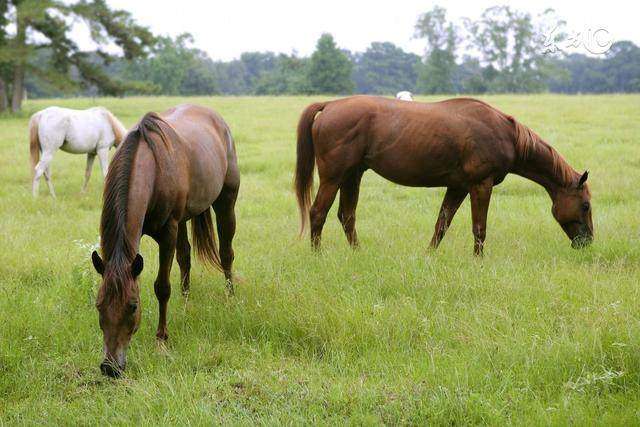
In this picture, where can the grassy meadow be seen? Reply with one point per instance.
(533, 333)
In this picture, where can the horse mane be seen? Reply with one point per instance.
(119, 131)
(118, 248)
(528, 142)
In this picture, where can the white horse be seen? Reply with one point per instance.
(93, 131)
(405, 95)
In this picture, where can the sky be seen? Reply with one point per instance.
(225, 29)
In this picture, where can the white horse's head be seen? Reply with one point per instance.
(405, 95)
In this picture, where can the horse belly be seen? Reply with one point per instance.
(418, 167)
(82, 137)
(206, 179)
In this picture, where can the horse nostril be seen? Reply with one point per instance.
(110, 370)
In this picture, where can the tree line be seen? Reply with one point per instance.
(502, 51)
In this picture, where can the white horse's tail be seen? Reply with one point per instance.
(119, 131)
(34, 141)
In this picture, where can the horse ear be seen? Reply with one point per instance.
(583, 179)
(136, 266)
(97, 263)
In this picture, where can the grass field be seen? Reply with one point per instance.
(533, 333)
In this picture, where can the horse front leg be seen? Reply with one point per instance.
(162, 287)
(480, 197)
(453, 198)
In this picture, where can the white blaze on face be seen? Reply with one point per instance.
(404, 96)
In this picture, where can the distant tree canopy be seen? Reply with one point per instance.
(329, 68)
(436, 75)
(174, 68)
(34, 41)
(385, 68)
(501, 51)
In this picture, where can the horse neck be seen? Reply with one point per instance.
(124, 243)
(545, 166)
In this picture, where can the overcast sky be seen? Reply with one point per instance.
(227, 28)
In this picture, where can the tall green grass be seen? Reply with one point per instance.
(533, 333)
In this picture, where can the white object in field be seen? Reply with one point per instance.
(405, 95)
(91, 132)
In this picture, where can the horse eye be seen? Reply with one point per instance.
(586, 206)
(133, 306)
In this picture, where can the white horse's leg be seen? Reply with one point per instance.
(47, 177)
(41, 168)
(103, 156)
(87, 173)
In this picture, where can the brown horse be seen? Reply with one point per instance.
(462, 144)
(170, 169)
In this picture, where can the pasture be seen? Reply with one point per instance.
(533, 333)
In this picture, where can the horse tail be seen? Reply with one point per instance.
(305, 161)
(204, 240)
(119, 131)
(34, 141)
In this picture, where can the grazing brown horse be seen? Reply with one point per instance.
(462, 144)
(171, 168)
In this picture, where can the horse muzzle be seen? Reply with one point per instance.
(583, 239)
(112, 369)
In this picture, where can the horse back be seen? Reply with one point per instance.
(205, 154)
(444, 143)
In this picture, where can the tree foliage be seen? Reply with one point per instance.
(501, 51)
(436, 75)
(29, 26)
(329, 68)
(384, 68)
(174, 67)
(509, 41)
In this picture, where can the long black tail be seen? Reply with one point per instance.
(204, 240)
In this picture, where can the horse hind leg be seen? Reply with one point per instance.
(224, 208)
(320, 208)
(47, 177)
(87, 173)
(183, 254)
(103, 157)
(349, 192)
(43, 168)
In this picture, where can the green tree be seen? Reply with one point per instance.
(257, 64)
(329, 68)
(622, 65)
(437, 73)
(288, 77)
(175, 68)
(46, 24)
(5, 64)
(231, 77)
(511, 43)
(385, 68)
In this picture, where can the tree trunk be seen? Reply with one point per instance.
(18, 88)
(20, 62)
(3, 96)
